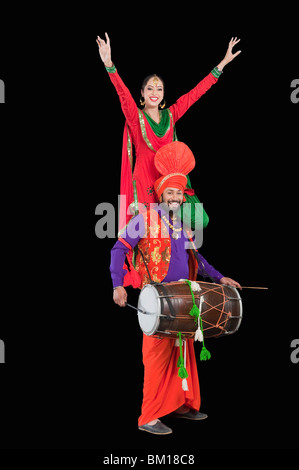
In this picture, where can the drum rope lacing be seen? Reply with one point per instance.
(216, 307)
(204, 353)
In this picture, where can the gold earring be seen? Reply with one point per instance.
(162, 106)
(142, 102)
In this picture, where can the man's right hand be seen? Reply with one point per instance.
(120, 296)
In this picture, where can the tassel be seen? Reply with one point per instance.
(205, 355)
(195, 287)
(132, 277)
(185, 385)
(199, 331)
(183, 374)
(198, 335)
(135, 279)
(194, 312)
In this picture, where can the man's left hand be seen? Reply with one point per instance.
(230, 282)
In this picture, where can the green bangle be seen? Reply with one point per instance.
(216, 72)
(111, 69)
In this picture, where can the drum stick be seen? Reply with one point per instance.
(135, 308)
(250, 287)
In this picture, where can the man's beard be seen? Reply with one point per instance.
(172, 206)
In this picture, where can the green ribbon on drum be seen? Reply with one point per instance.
(204, 353)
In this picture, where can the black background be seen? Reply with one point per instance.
(73, 373)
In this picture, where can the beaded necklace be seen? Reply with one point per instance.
(176, 231)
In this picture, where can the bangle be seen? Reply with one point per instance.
(111, 69)
(116, 287)
(216, 72)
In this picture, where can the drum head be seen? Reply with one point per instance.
(150, 303)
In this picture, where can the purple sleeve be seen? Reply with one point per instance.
(131, 235)
(206, 270)
(118, 256)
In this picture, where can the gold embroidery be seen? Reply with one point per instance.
(154, 274)
(166, 255)
(156, 250)
(143, 131)
(156, 257)
(154, 229)
(167, 177)
(146, 253)
(129, 149)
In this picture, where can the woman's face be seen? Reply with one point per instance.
(153, 92)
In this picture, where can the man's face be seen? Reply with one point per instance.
(173, 197)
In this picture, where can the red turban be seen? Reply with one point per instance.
(174, 161)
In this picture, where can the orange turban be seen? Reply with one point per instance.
(174, 161)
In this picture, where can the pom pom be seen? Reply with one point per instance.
(132, 277)
(194, 312)
(185, 385)
(205, 355)
(183, 374)
(195, 287)
(198, 335)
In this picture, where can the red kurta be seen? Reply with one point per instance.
(146, 142)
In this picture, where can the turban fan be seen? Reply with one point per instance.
(174, 161)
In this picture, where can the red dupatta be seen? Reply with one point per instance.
(126, 178)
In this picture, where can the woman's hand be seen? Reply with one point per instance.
(105, 50)
(229, 56)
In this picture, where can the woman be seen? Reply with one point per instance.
(150, 129)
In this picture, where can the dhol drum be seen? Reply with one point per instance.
(164, 309)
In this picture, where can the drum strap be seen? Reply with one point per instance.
(204, 274)
(195, 252)
(169, 303)
(172, 312)
(145, 264)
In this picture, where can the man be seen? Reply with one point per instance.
(162, 257)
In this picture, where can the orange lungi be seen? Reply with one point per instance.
(162, 388)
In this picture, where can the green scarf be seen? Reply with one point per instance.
(163, 126)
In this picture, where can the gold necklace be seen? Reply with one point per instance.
(176, 231)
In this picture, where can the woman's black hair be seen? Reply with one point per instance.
(148, 78)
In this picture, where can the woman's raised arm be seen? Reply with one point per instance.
(127, 102)
(179, 108)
